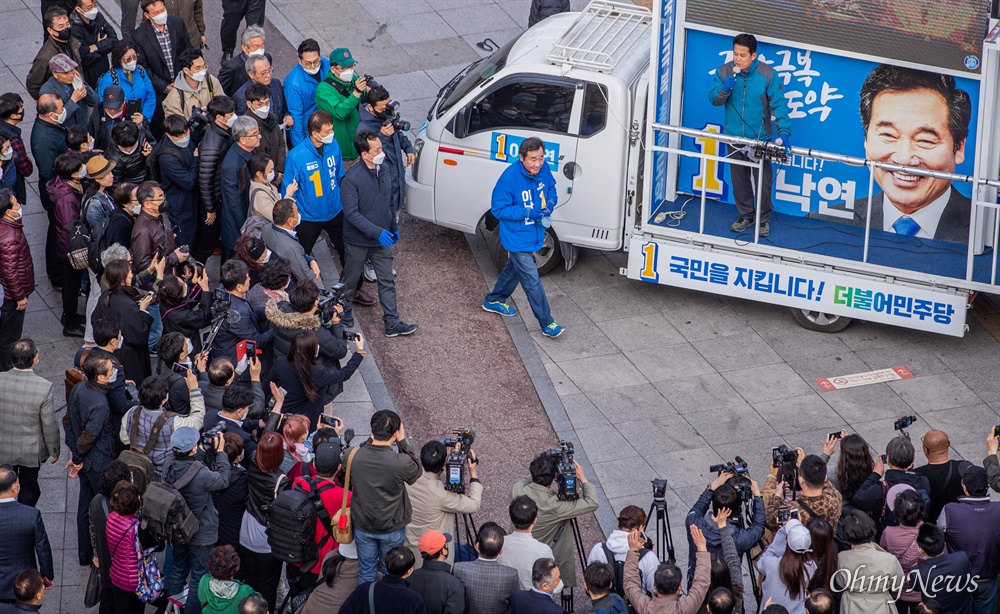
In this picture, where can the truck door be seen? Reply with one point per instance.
(489, 132)
(635, 188)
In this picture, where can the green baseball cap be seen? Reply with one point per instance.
(342, 57)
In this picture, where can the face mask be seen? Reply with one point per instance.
(62, 117)
(114, 376)
(559, 588)
(130, 66)
(136, 210)
(129, 152)
(62, 35)
(270, 176)
(121, 340)
(90, 143)
(200, 75)
(9, 153)
(267, 258)
(311, 71)
(379, 159)
(183, 141)
(295, 221)
(91, 14)
(83, 172)
(16, 214)
(231, 121)
(262, 111)
(347, 75)
(326, 140)
(160, 19)
(77, 82)
(256, 52)
(188, 346)
(301, 450)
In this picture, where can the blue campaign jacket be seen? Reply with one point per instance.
(515, 192)
(300, 98)
(750, 104)
(139, 87)
(319, 180)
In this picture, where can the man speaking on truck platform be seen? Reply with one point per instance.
(913, 118)
(751, 93)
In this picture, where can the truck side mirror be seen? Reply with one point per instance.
(460, 126)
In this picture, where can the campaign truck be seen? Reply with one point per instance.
(884, 205)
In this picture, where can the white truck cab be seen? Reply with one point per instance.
(577, 81)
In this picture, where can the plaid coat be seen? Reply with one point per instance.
(488, 586)
(27, 420)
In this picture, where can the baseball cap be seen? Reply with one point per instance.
(184, 439)
(61, 62)
(341, 56)
(99, 166)
(798, 537)
(975, 479)
(348, 551)
(327, 458)
(114, 97)
(432, 541)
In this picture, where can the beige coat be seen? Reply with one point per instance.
(182, 98)
(263, 197)
(327, 599)
(863, 574)
(434, 508)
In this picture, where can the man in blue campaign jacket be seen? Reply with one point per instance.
(524, 195)
(300, 88)
(751, 93)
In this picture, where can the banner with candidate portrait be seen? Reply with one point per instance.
(823, 95)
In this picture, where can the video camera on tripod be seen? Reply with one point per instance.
(741, 478)
(221, 313)
(455, 464)
(567, 470)
(329, 299)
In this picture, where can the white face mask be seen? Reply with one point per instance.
(77, 82)
(231, 121)
(82, 173)
(347, 75)
(121, 340)
(7, 154)
(559, 588)
(17, 214)
(311, 71)
(114, 376)
(183, 141)
(160, 19)
(295, 221)
(91, 14)
(326, 140)
(129, 152)
(379, 159)
(188, 346)
(61, 117)
(262, 111)
(267, 257)
(90, 143)
(270, 177)
(136, 210)
(256, 52)
(130, 66)
(200, 75)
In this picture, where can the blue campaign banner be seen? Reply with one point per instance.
(823, 93)
(506, 147)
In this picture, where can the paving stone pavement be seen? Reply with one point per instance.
(654, 381)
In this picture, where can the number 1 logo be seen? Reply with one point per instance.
(650, 251)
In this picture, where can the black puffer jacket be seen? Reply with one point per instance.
(264, 487)
(129, 167)
(189, 318)
(287, 323)
(211, 151)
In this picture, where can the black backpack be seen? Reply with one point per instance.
(291, 525)
(152, 162)
(78, 244)
(617, 607)
(165, 510)
(98, 244)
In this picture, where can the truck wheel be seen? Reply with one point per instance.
(547, 259)
(820, 322)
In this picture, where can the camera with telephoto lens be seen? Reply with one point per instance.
(455, 464)
(208, 437)
(783, 454)
(741, 478)
(567, 470)
(221, 300)
(904, 422)
(329, 299)
(198, 119)
(393, 119)
(370, 80)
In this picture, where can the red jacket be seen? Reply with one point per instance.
(67, 202)
(332, 498)
(17, 273)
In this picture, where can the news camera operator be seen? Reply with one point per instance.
(380, 115)
(242, 322)
(182, 314)
(723, 494)
(435, 508)
(302, 312)
(219, 377)
(811, 493)
(554, 515)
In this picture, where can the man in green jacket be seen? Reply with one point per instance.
(339, 94)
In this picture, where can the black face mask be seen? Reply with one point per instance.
(61, 35)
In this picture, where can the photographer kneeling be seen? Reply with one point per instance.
(301, 312)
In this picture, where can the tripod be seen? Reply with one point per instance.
(567, 599)
(469, 526)
(664, 539)
(746, 517)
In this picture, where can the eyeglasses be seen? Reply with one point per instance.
(132, 57)
(266, 72)
(253, 135)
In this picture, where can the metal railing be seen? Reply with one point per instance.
(602, 35)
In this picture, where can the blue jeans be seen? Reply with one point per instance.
(984, 600)
(372, 548)
(520, 268)
(191, 560)
(156, 328)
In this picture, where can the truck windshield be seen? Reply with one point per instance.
(475, 74)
